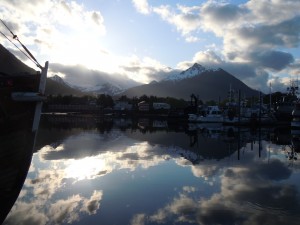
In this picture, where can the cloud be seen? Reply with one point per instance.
(27, 214)
(65, 210)
(275, 60)
(294, 68)
(186, 21)
(57, 26)
(273, 11)
(142, 6)
(82, 76)
(146, 70)
(138, 219)
(254, 35)
(220, 17)
(61, 211)
(93, 204)
(46, 183)
(246, 196)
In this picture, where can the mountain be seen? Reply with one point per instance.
(10, 64)
(106, 88)
(56, 86)
(195, 70)
(208, 84)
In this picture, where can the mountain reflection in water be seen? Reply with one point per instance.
(152, 172)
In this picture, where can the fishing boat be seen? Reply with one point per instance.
(21, 97)
(16, 150)
(209, 114)
(255, 115)
(21, 88)
(285, 106)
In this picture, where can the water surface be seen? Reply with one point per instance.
(153, 172)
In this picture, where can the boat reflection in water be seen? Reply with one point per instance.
(148, 172)
(16, 145)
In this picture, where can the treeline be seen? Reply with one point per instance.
(105, 100)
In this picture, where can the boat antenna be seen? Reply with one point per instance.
(31, 57)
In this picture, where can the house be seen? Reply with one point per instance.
(144, 106)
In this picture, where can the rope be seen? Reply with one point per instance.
(28, 55)
(19, 49)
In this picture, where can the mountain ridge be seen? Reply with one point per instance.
(192, 71)
(208, 84)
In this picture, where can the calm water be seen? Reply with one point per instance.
(151, 172)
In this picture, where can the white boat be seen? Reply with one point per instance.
(211, 114)
(255, 115)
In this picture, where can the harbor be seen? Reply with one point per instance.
(79, 166)
(149, 112)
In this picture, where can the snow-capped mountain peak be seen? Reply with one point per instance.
(106, 88)
(194, 70)
(57, 79)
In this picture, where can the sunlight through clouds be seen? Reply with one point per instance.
(256, 40)
(86, 168)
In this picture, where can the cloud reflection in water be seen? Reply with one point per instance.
(90, 174)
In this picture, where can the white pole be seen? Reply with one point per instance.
(38, 107)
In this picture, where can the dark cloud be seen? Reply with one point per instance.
(284, 34)
(254, 35)
(240, 70)
(14, 27)
(129, 156)
(272, 59)
(274, 170)
(82, 76)
(97, 18)
(222, 12)
(248, 195)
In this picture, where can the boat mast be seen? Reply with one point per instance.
(270, 95)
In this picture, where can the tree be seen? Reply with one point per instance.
(105, 100)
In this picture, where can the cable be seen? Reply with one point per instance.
(31, 57)
(20, 49)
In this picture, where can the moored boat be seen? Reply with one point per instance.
(21, 96)
(255, 115)
(21, 88)
(285, 106)
(209, 114)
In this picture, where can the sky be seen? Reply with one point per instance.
(89, 41)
